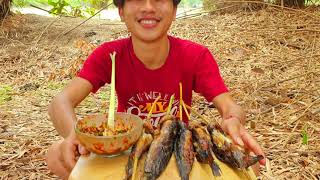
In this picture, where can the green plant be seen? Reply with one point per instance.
(20, 3)
(77, 8)
(112, 93)
(304, 135)
(90, 11)
(59, 6)
(5, 93)
(52, 85)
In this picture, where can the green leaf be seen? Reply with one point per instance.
(304, 134)
(20, 3)
(65, 3)
(52, 3)
(5, 93)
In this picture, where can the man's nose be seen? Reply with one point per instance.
(148, 5)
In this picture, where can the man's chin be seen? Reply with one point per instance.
(149, 37)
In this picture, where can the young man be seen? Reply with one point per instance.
(148, 64)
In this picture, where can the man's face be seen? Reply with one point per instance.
(148, 20)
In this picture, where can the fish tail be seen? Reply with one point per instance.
(252, 160)
(129, 166)
(148, 176)
(215, 168)
(185, 177)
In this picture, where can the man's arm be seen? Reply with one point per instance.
(228, 108)
(233, 120)
(61, 109)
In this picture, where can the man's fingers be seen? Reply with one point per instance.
(233, 129)
(61, 171)
(253, 145)
(235, 135)
(69, 155)
(83, 150)
(54, 161)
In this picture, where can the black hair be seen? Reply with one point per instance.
(120, 3)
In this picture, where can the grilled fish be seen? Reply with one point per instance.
(184, 151)
(147, 126)
(227, 151)
(203, 148)
(160, 151)
(137, 150)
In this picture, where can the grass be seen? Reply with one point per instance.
(53, 85)
(304, 135)
(5, 93)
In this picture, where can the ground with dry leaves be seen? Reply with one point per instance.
(270, 59)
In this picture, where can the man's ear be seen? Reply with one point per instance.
(120, 10)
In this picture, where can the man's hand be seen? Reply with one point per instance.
(63, 155)
(70, 150)
(240, 136)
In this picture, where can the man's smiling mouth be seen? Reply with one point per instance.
(149, 22)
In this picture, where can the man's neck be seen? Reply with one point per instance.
(152, 54)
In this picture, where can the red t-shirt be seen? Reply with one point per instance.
(137, 87)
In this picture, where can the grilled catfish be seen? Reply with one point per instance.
(184, 150)
(147, 126)
(160, 150)
(137, 150)
(228, 152)
(203, 148)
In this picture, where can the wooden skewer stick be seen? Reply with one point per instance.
(135, 161)
(136, 157)
(170, 104)
(185, 110)
(152, 107)
(135, 164)
(182, 104)
(200, 116)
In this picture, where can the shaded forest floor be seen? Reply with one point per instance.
(270, 59)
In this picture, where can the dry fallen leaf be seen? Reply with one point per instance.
(257, 70)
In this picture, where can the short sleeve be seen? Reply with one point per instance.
(208, 81)
(97, 68)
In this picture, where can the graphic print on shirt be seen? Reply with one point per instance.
(140, 104)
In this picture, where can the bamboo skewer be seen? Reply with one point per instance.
(152, 107)
(199, 115)
(170, 104)
(185, 110)
(135, 163)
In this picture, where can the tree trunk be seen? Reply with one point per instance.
(4, 8)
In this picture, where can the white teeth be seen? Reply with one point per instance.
(148, 21)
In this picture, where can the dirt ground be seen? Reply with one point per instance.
(270, 59)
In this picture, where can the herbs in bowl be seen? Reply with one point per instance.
(91, 133)
(103, 130)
